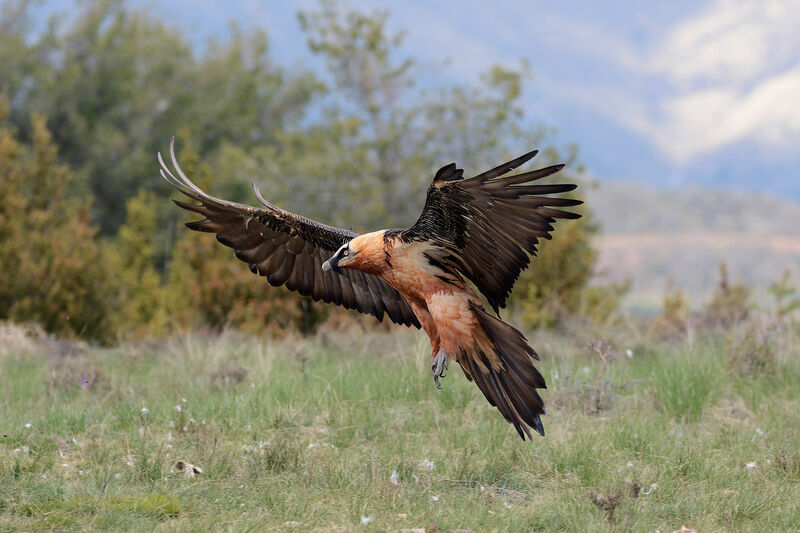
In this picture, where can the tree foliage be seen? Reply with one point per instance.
(54, 269)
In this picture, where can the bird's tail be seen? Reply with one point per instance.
(502, 368)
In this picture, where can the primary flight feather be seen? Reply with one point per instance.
(481, 228)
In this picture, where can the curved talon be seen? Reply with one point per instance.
(438, 367)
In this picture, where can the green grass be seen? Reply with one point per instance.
(304, 435)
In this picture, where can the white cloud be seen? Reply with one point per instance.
(703, 120)
(731, 42)
(728, 74)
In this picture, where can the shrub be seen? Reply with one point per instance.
(140, 298)
(785, 295)
(730, 303)
(54, 270)
(752, 352)
(674, 313)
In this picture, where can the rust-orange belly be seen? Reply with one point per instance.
(442, 305)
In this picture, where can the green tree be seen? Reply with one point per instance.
(138, 289)
(54, 270)
(116, 83)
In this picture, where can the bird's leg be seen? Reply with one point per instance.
(438, 366)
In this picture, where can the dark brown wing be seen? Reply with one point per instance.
(485, 226)
(289, 250)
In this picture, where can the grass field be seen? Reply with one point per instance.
(349, 434)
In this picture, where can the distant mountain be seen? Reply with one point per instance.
(651, 234)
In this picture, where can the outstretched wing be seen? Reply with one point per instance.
(485, 226)
(289, 250)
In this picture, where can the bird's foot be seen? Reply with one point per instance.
(438, 367)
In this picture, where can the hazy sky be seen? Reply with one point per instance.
(702, 92)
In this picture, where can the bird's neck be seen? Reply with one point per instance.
(372, 254)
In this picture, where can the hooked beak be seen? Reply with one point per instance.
(331, 264)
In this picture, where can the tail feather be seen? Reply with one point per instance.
(512, 387)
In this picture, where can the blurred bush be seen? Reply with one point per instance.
(55, 270)
(785, 296)
(730, 303)
(675, 312)
(751, 351)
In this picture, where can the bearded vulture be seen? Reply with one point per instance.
(479, 229)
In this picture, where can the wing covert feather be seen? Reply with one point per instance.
(485, 226)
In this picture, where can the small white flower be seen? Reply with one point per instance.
(506, 504)
(117, 475)
(394, 479)
(74, 441)
(192, 421)
(760, 431)
(28, 425)
(26, 449)
(169, 446)
(44, 476)
(178, 408)
(366, 519)
(629, 354)
(169, 435)
(428, 464)
(183, 400)
(184, 429)
(750, 465)
(145, 411)
(653, 486)
(17, 451)
(630, 464)
(435, 498)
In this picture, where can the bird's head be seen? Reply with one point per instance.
(343, 258)
(365, 253)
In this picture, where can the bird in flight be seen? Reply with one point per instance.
(479, 229)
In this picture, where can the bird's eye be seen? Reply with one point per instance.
(345, 253)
